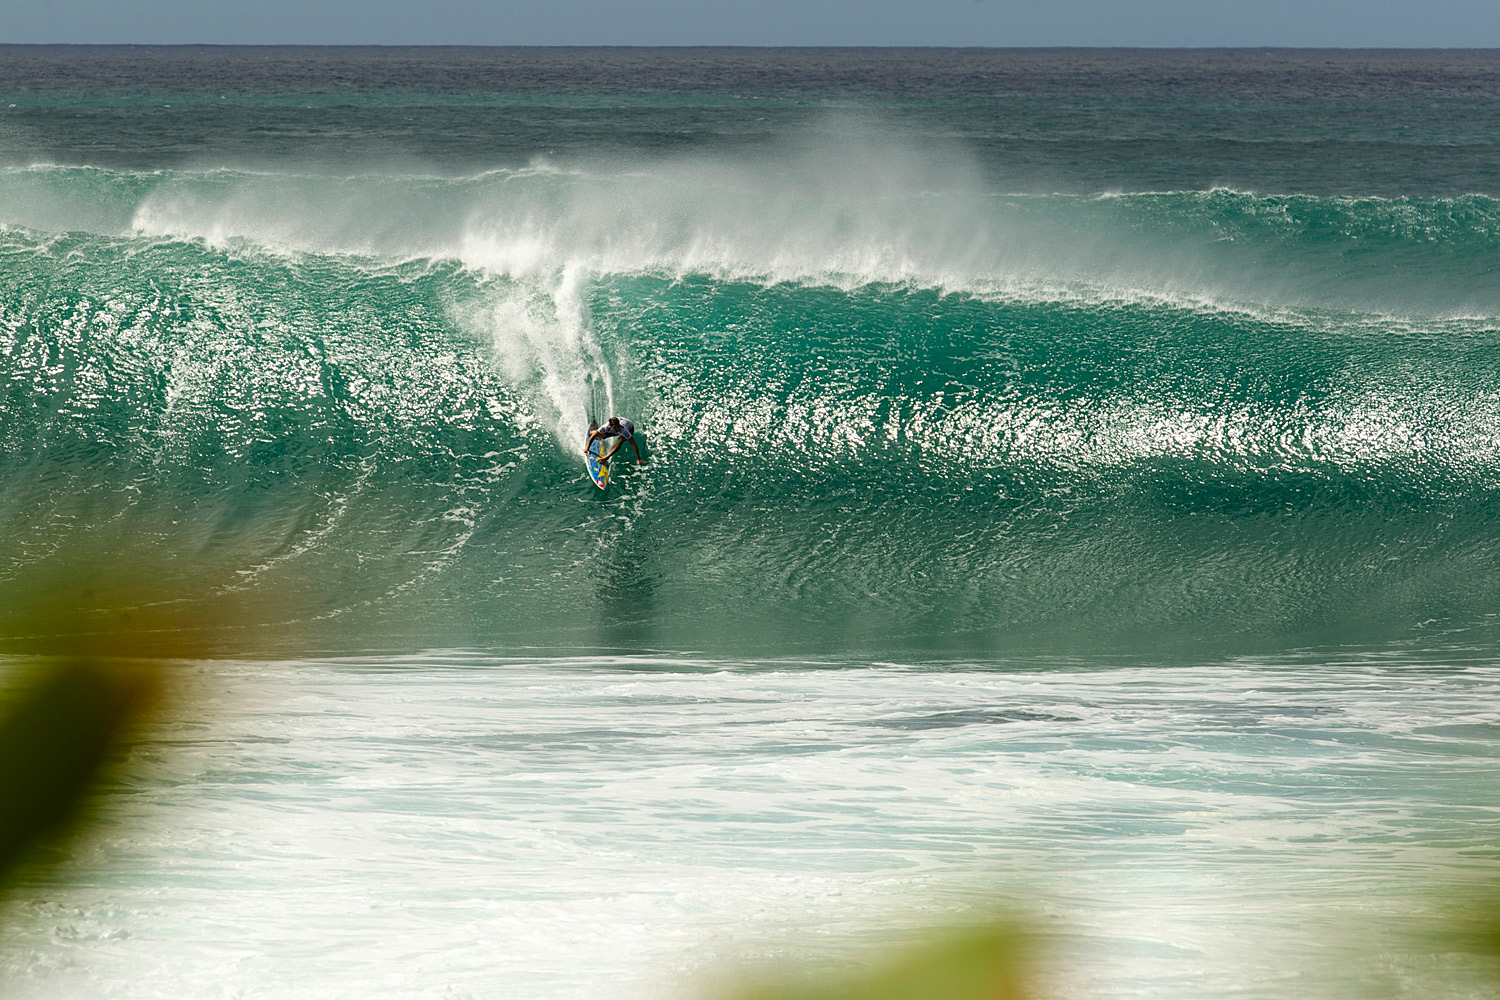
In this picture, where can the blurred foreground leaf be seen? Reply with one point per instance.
(104, 595)
(54, 738)
(1475, 930)
(89, 638)
(988, 962)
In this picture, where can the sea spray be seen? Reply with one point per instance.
(539, 331)
(1077, 466)
(902, 389)
(887, 457)
(775, 220)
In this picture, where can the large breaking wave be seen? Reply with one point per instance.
(885, 405)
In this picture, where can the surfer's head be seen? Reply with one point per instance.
(614, 423)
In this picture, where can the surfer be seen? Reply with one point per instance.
(615, 427)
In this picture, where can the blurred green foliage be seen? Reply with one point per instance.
(94, 671)
(983, 962)
(56, 734)
(86, 640)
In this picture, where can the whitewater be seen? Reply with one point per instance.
(1072, 489)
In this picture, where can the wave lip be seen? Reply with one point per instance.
(906, 218)
(904, 402)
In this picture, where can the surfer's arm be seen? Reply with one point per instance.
(637, 448)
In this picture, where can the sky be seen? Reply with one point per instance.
(1331, 23)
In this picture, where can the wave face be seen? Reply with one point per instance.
(891, 400)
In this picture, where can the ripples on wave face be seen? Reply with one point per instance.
(383, 444)
(978, 351)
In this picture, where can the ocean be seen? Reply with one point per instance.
(1072, 489)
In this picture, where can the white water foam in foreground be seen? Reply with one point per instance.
(459, 825)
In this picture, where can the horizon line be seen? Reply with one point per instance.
(749, 46)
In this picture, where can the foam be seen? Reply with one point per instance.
(541, 337)
(848, 204)
(459, 824)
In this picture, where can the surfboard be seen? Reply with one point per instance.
(598, 471)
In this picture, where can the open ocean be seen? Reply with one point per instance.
(1074, 486)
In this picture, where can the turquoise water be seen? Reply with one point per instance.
(1097, 448)
(880, 418)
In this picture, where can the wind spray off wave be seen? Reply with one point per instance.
(909, 403)
(1078, 466)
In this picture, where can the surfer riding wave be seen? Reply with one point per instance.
(615, 427)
